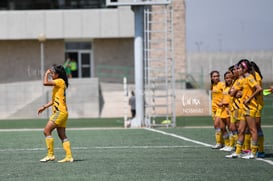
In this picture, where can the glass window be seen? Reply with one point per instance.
(78, 46)
(51, 4)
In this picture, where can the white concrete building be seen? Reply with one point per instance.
(92, 37)
(99, 38)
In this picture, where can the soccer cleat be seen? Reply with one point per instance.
(66, 159)
(260, 154)
(217, 146)
(48, 158)
(223, 149)
(233, 155)
(249, 156)
(227, 148)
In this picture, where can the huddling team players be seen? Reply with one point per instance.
(237, 104)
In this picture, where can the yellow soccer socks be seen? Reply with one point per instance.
(239, 147)
(233, 137)
(68, 153)
(247, 140)
(218, 136)
(67, 148)
(226, 139)
(50, 145)
(254, 147)
(50, 149)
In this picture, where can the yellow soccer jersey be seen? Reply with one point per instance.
(226, 103)
(259, 97)
(238, 85)
(226, 96)
(248, 90)
(217, 95)
(58, 96)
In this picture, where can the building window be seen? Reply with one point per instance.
(51, 4)
(80, 53)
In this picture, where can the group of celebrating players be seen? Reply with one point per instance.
(237, 103)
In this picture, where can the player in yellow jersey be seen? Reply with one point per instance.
(225, 116)
(233, 109)
(249, 90)
(236, 106)
(59, 116)
(217, 88)
(259, 77)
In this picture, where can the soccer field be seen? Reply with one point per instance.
(128, 154)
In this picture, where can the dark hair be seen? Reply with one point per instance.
(231, 68)
(226, 73)
(246, 65)
(59, 69)
(211, 73)
(256, 69)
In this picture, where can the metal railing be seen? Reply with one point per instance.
(115, 74)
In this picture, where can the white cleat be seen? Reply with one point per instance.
(227, 148)
(217, 146)
(249, 156)
(233, 155)
(66, 160)
(224, 148)
(48, 158)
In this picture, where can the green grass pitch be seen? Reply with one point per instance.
(119, 154)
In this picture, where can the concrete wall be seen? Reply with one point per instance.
(113, 52)
(62, 24)
(188, 102)
(20, 59)
(179, 36)
(22, 100)
(200, 64)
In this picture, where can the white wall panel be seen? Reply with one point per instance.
(35, 23)
(72, 24)
(91, 23)
(126, 23)
(54, 24)
(16, 25)
(67, 24)
(3, 23)
(108, 28)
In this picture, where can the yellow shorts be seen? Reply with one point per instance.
(213, 113)
(250, 112)
(225, 113)
(59, 118)
(237, 115)
(258, 114)
(259, 111)
(218, 112)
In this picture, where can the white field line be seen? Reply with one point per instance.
(73, 129)
(180, 137)
(98, 147)
(270, 162)
(107, 128)
(120, 147)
